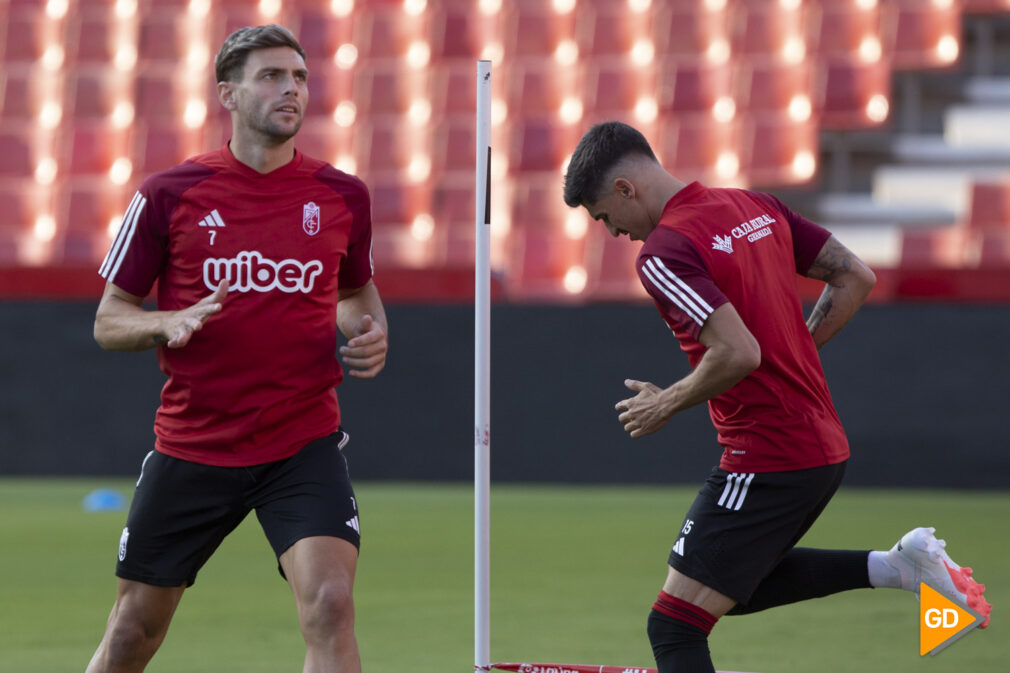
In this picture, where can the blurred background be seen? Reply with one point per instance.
(887, 121)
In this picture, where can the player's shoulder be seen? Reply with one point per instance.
(345, 184)
(179, 178)
(666, 242)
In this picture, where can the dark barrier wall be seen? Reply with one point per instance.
(921, 389)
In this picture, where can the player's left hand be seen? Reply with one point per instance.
(365, 354)
(645, 412)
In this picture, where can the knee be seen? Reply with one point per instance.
(132, 640)
(329, 609)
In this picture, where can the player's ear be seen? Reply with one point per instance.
(624, 188)
(226, 95)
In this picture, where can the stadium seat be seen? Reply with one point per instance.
(540, 253)
(384, 90)
(396, 201)
(778, 151)
(990, 206)
(771, 85)
(538, 145)
(91, 38)
(920, 35)
(839, 29)
(453, 208)
(687, 30)
(157, 147)
(384, 32)
(162, 37)
(19, 94)
(536, 90)
(321, 138)
(848, 89)
(454, 144)
(533, 30)
(693, 86)
(95, 146)
(91, 93)
(17, 152)
(320, 33)
(25, 35)
(691, 146)
(453, 90)
(380, 147)
(456, 32)
(610, 263)
(609, 30)
(158, 95)
(613, 87)
(328, 86)
(764, 28)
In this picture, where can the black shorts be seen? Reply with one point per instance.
(741, 525)
(181, 511)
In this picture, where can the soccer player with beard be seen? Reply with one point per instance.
(260, 254)
(721, 266)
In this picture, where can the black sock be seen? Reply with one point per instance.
(678, 633)
(808, 573)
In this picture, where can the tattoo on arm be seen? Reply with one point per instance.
(832, 261)
(160, 339)
(821, 309)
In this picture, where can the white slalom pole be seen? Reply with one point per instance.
(482, 377)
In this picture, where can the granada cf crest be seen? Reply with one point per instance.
(310, 218)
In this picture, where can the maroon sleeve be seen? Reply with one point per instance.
(677, 279)
(357, 268)
(808, 238)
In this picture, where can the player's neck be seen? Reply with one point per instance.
(259, 157)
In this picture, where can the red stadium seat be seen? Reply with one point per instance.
(453, 90)
(396, 201)
(162, 37)
(457, 32)
(612, 274)
(921, 35)
(91, 94)
(94, 147)
(158, 95)
(763, 28)
(609, 30)
(453, 209)
(849, 87)
(613, 88)
(454, 145)
(777, 151)
(321, 33)
(770, 85)
(91, 38)
(538, 145)
(691, 147)
(533, 30)
(990, 206)
(19, 95)
(540, 253)
(383, 90)
(384, 32)
(536, 90)
(328, 86)
(17, 152)
(688, 30)
(382, 147)
(157, 147)
(322, 139)
(693, 86)
(26, 32)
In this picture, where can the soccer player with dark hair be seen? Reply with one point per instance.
(260, 253)
(721, 266)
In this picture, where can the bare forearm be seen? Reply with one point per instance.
(848, 283)
(352, 307)
(120, 326)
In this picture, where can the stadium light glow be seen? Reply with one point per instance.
(567, 53)
(198, 56)
(489, 7)
(45, 228)
(57, 9)
(715, 5)
(870, 50)
(414, 7)
(499, 113)
(345, 114)
(50, 114)
(877, 108)
(866, 4)
(342, 8)
(418, 54)
(500, 167)
(122, 115)
(724, 109)
(639, 6)
(790, 5)
(643, 52)
(199, 8)
(419, 167)
(646, 109)
(570, 110)
(126, 9)
(195, 114)
(947, 48)
(727, 166)
(121, 170)
(575, 279)
(112, 228)
(346, 56)
(125, 58)
(52, 57)
(269, 9)
(576, 225)
(419, 112)
(804, 164)
(800, 108)
(563, 6)
(423, 227)
(45, 171)
(494, 52)
(794, 50)
(718, 51)
(943, 4)
(346, 163)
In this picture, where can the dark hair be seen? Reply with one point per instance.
(603, 146)
(233, 53)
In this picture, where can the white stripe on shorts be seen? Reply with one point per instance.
(736, 490)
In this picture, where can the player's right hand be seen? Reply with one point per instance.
(179, 325)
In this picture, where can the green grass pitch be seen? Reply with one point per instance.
(573, 573)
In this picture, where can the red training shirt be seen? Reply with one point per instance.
(257, 382)
(714, 246)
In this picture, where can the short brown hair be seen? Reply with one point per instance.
(603, 146)
(233, 53)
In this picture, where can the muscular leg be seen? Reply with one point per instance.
(321, 573)
(136, 627)
(680, 621)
